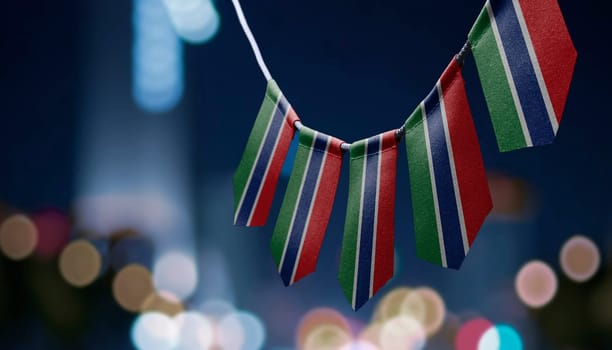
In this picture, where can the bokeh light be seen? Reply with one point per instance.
(371, 334)
(413, 305)
(391, 304)
(327, 337)
(500, 337)
(401, 333)
(195, 21)
(511, 197)
(430, 307)
(80, 263)
(254, 331)
(162, 302)
(194, 331)
(53, 232)
(536, 284)
(360, 345)
(216, 308)
(132, 286)
(471, 332)
(18, 237)
(176, 272)
(158, 81)
(580, 258)
(154, 331)
(317, 318)
(230, 333)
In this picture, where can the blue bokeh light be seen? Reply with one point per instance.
(158, 81)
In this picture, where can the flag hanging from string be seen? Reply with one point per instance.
(525, 60)
(450, 194)
(307, 205)
(366, 261)
(257, 175)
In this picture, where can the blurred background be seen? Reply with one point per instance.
(122, 123)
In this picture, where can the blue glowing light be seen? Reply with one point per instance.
(195, 21)
(157, 58)
(500, 337)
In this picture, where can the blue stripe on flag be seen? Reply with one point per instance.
(525, 79)
(447, 203)
(257, 179)
(368, 220)
(303, 207)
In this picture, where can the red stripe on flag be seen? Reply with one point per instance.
(262, 206)
(384, 255)
(553, 46)
(321, 210)
(471, 177)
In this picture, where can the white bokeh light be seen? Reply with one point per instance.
(402, 332)
(359, 345)
(176, 272)
(194, 331)
(254, 331)
(230, 333)
(154, 331)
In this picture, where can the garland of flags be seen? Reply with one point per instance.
(525, 60)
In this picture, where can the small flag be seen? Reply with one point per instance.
(307, 205)
(450, 194)
(525, 59)
(257, 175)
(366, 262)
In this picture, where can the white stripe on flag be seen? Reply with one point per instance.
(274, 150)
(297, 204)
(434, 189)
(451, 159)
(504, 58)
(536, 67)
(246, 186)
(377, 203)
(355, 273)
(312, 203)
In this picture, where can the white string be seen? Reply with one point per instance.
(249, 35)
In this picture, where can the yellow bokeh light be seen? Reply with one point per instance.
(536, 284)
(80, 263)
(327, 337)
(18, 237)
(579, 258)
(427, 307)
(132, 286)
(164, 303)
(391, 304)
(317, 318)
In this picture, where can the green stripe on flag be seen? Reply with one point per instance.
(283, 223)
(256, 139)
(495, 85)
(346, 273)
(425, 225)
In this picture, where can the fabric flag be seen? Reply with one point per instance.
(450, 194)
(307, 205)
(366, 261)
(525, 59)
(257, 175)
